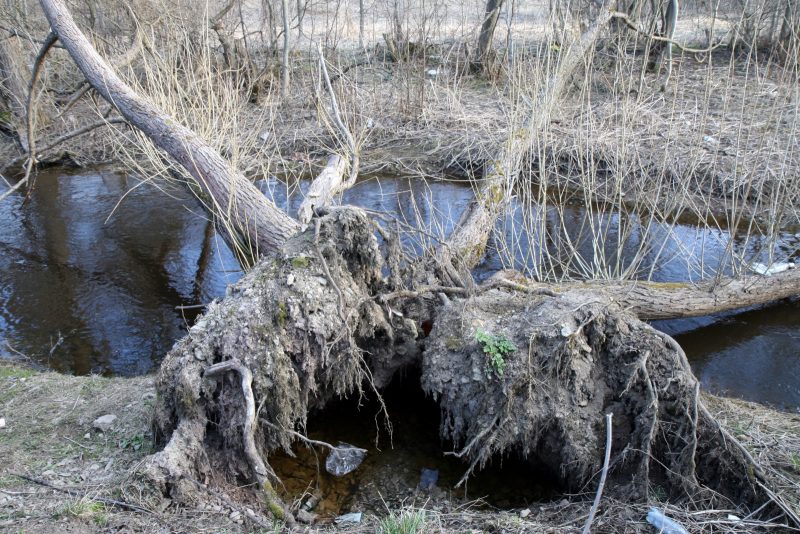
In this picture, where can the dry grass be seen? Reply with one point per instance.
(48, 414)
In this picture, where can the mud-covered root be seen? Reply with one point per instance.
(284, 341)
(535, 375)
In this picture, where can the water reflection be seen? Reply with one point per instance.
(93, 267)
(88, 288)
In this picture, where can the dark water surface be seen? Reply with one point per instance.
(93, 267)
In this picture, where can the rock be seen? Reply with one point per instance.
(87, 436)
(524, 513)
(428, 479)
(305, 517)
(104, 422)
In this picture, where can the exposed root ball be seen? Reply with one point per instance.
(576, 358)
(295, 322)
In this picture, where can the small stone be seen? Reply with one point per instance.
(306, 517)
(290, 280)
(88, 435)
(235, 515)
(524, 513)
(104, 422)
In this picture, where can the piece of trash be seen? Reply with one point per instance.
(290, 279)
(663, 523)
(2, 422)
(428, 479)
(311, 502)
(344, 459)
(353, 517)
(732, 517)
(775, 268)
(525, 512)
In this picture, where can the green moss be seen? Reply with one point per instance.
(300, 262)
(282, 315)
(454, 343)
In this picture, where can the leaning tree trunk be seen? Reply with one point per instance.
(253, 223)
(466, 245)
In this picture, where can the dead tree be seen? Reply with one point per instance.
(318, 316)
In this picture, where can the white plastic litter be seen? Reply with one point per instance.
(775, 268)
(354, 517)
(344, 459)
(663, 523)
(2, 422)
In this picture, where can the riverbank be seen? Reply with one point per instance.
(52, 434)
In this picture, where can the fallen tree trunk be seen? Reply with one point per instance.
(673, 300)
(252, 223)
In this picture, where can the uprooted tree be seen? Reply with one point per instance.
(337, 305)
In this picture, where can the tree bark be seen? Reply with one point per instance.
(327, 185)
(662, 300)
(493, 8)
(252, 222)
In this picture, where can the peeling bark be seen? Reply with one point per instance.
(324, 188)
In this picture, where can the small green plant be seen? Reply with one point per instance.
(407, 521)
(496, 349)
(84, 508)
(134, 442)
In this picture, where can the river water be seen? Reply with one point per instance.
(95, 266)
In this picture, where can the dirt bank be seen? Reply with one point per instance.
(49, 415)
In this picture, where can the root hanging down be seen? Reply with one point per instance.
(261, 471)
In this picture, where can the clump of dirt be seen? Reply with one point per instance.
(569, 360)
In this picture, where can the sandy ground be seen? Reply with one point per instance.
(49, 435)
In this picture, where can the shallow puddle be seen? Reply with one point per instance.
(391, 472)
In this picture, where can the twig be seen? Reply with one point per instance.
(632, 25)
(337, 118)
(74, 493)
(588, 526)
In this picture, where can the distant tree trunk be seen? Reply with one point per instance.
(285, 58)
(361, 16)
(14, 76)
(493, 8)
(253, 223)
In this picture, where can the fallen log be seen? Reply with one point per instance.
(324, 188)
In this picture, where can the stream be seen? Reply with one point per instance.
(94, 268)
(100, 273)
